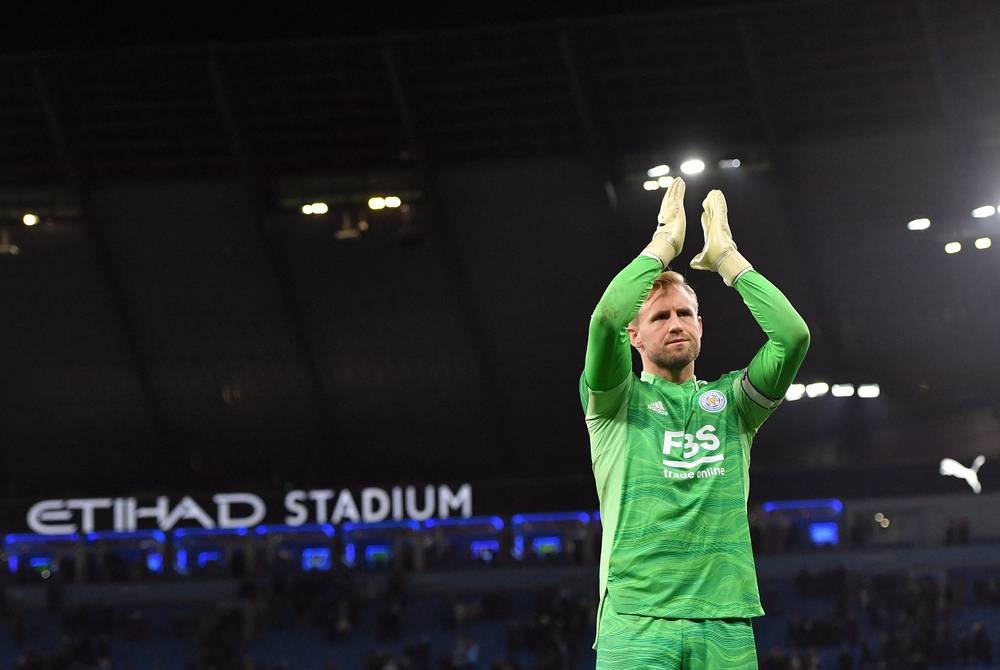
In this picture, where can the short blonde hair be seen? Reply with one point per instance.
(663, 281)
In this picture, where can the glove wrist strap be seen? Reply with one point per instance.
(661, 248)
(732, 265)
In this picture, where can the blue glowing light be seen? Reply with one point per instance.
(154, 562)
(543, 546)
(43, 562)
(350, 555)
(797, 505)
(208, 532)
(180, 562)
(157, 535)
(316, 558)
(549, 517)
(824, 532)
(206, 557)
(382, 525)
(377, 553)
(325, 528)
(484, 549)
(28, 538)
(494, 521)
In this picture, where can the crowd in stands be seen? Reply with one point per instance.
(893, 619)
(836, 620)
(331, 605)
(833, 619)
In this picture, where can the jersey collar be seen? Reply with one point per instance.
(650, 378)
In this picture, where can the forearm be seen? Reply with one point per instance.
(609, 358)
(774, 367)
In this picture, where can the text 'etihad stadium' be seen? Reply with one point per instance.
(244, 510)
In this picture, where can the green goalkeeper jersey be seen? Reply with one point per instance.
(671, 461)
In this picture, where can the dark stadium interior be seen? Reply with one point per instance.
(176, 325)
(174, 312)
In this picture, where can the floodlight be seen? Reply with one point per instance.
(817, 389)
(868, 391)
(794, 392)
(692, 166)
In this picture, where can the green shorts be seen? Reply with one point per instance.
(632, 642)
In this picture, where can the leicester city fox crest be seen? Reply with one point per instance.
(712, 401)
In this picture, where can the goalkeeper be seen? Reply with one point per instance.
(671, 453)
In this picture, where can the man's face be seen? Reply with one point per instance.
(668, 332)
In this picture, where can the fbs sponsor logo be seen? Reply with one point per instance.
(657, 406)
(696, 451)
(712, 401)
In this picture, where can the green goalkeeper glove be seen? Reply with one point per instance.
(671, 224)
(719, 254)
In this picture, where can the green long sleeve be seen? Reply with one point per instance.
(775, 365)
(609, 356)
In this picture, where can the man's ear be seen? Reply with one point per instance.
(633, 337)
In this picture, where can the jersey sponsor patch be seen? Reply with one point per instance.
(712, 401)
(687, 453)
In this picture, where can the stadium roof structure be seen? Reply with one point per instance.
(175, 320)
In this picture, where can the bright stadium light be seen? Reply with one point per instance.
(665, 182)
(376, 203)
(392, 201)
(953, 247)
(29, 219)
(984, 243)
(651, 185)
(692, 166)
(307, 209)
(817, 389)
(794, 392)
(984, 211)
(730, 163)
(320, 208)
(868, 391)
(843, 390)
(919, 224)
(658, 171)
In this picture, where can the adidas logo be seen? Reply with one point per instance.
(658, 407)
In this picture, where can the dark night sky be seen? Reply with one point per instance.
(93, 25)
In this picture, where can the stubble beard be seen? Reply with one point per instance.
(678, 360)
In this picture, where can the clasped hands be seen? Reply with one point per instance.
(719, 253)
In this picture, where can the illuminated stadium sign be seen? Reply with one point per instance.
(244, 510)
